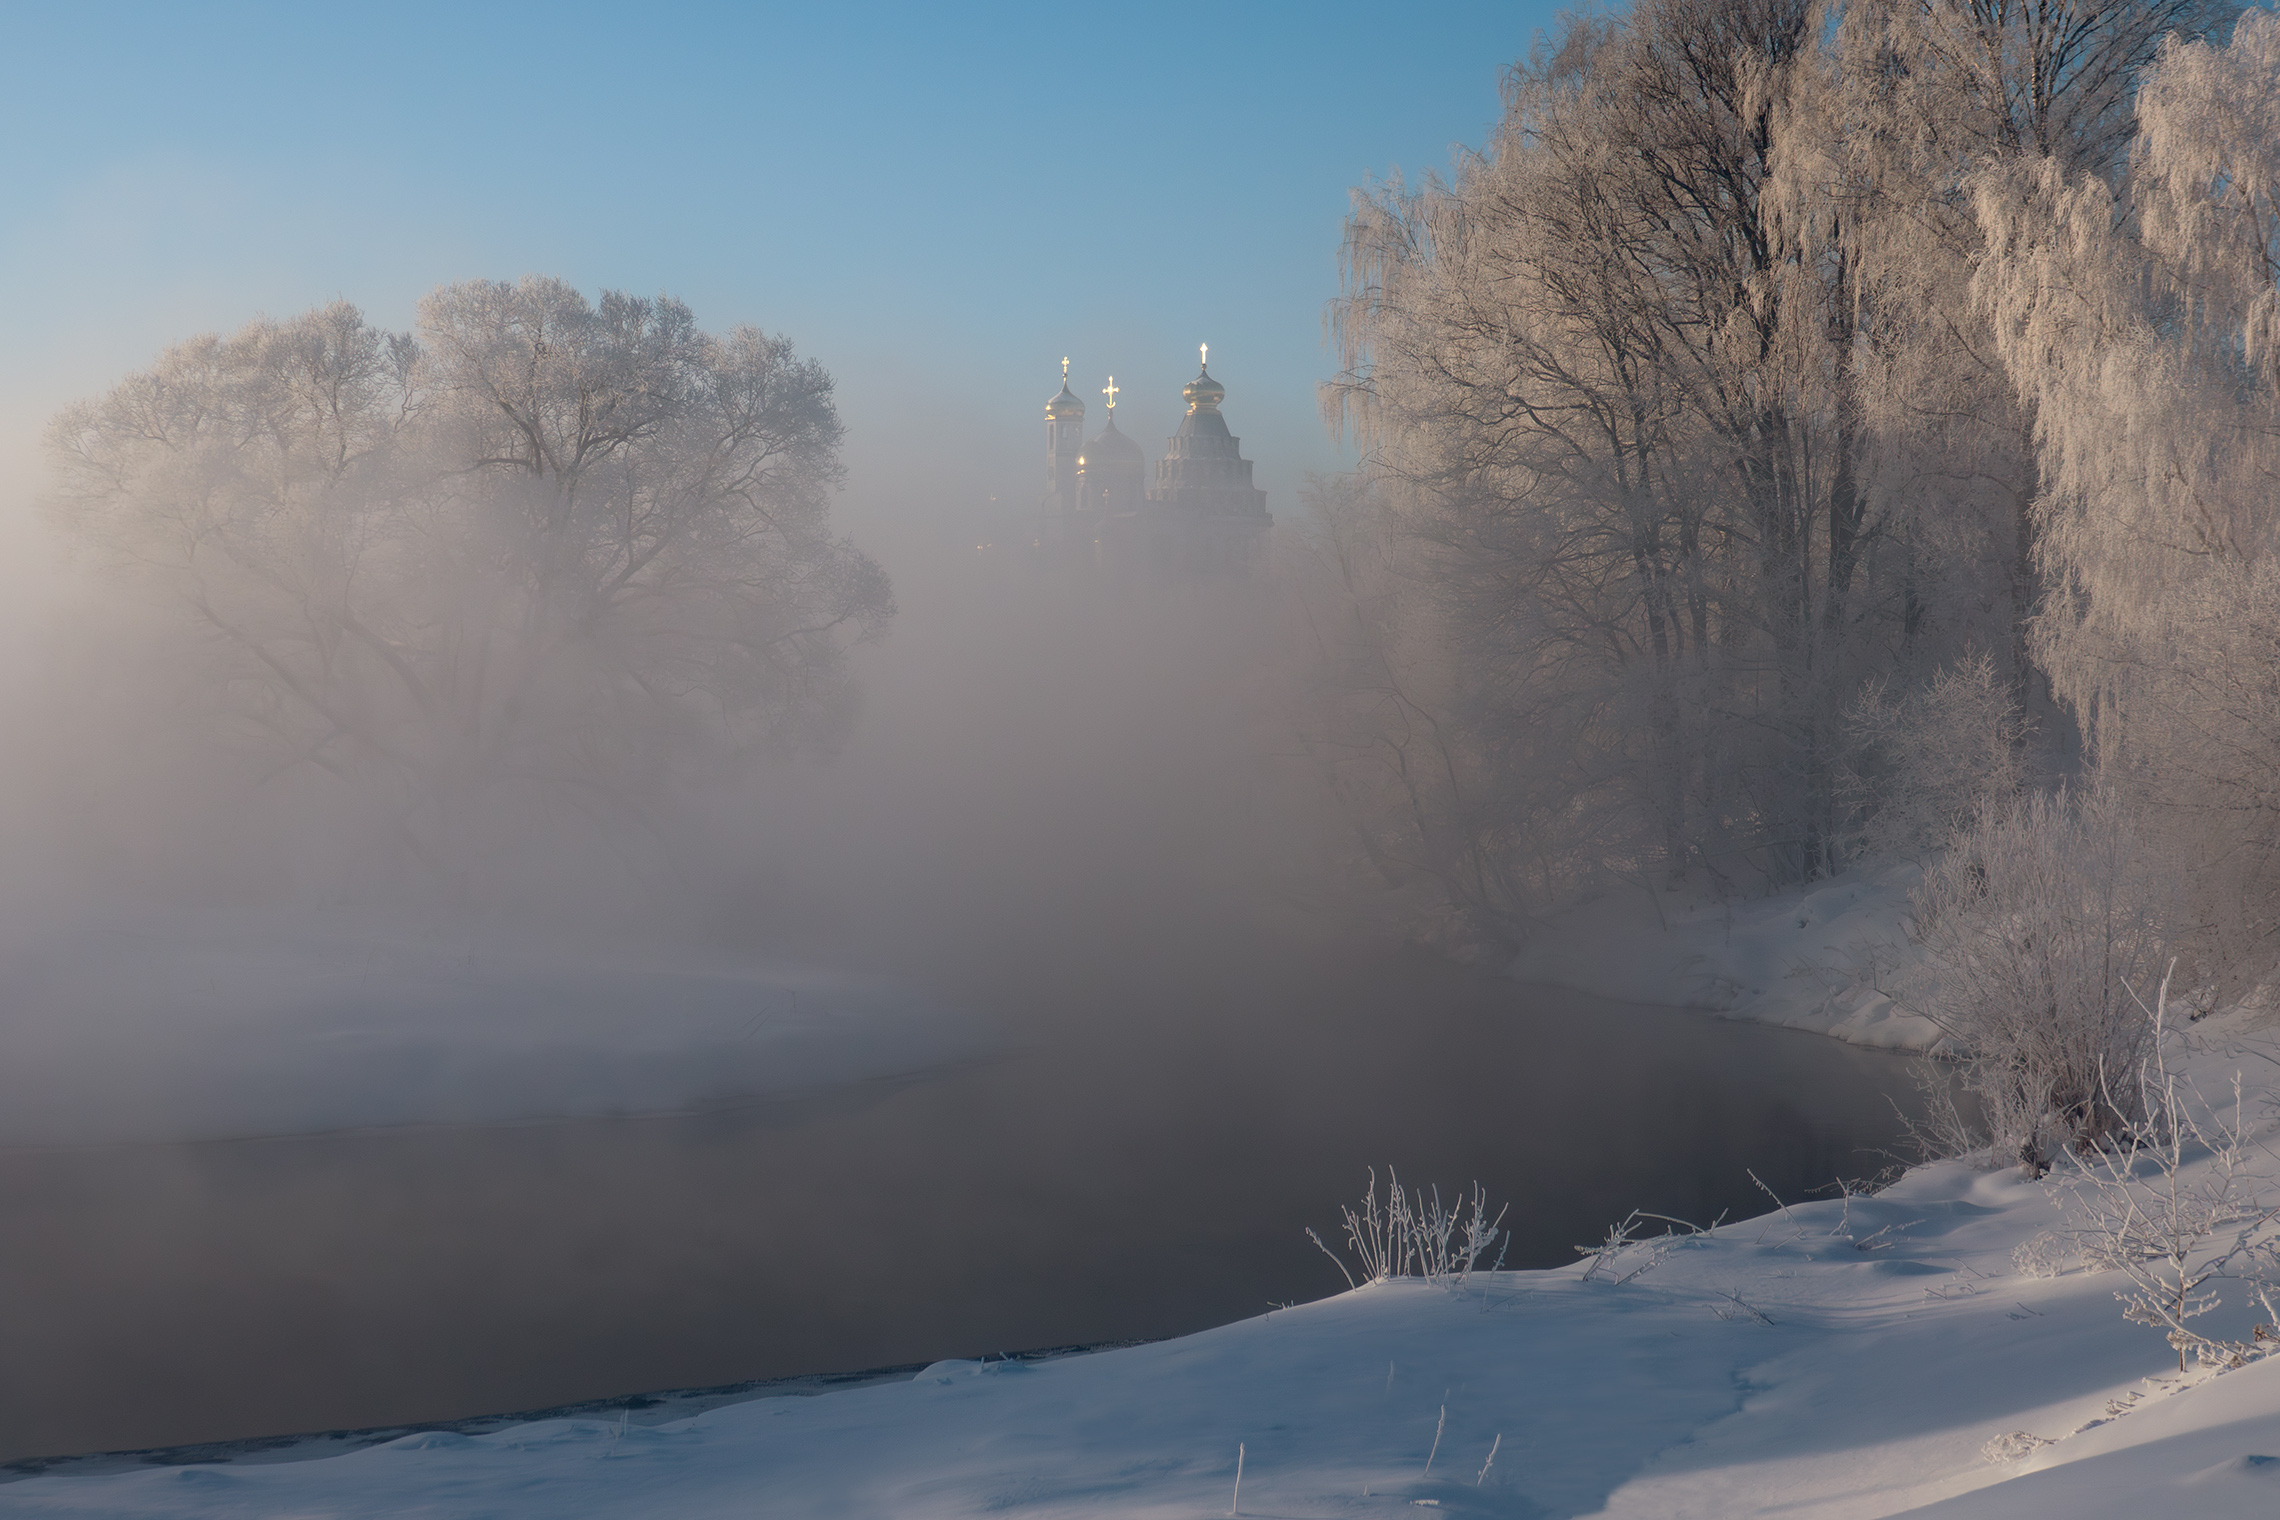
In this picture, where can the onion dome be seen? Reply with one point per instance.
(1109, 447)
(1203, 393)
(1064, 407)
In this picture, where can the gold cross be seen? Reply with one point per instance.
(1064, 372)
(1206, 363)
(1109, 390)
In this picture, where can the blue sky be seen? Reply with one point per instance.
(936, 202)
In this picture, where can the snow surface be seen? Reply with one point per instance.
(1804, 960)
(1830, 1359)
(198, 1028)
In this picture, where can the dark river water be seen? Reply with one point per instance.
(1145, 1170)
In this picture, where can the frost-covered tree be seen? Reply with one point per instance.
(546, 550)
(1927, 758)
(2141, 326)
(1608, 373)
(1953, 88)
(1681, 382)
(1384, 715)
(1549, 365)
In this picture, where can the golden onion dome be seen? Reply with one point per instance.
(1065, 406)
(1204, 393)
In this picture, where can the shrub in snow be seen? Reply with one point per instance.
(2014, 1444)
(1414, 1235)
(2172, 1205)
(2048, 1254)
(2036, 927)
(1628, 1251)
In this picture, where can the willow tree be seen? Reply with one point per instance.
(545, 551)
(2144, 328)
(1926, 95)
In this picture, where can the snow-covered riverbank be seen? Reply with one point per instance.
(1879, 1357)
(1800, 959)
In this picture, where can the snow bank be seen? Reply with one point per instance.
(203, 1028)
(1801, 960)
(1838, 1359)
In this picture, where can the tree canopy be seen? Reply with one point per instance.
(543, 550)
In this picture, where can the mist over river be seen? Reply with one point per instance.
(1144, 1170)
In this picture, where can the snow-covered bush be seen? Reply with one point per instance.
(2038, 927)
(1414, 1235)
(2172, 1205)
(2047, 1254)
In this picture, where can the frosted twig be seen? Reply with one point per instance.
(1770, 1193)
(1491, 1462)
(1873, 1241)
(1436, 1451)
(1607, 1254)
(1334, 1261)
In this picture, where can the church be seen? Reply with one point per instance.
(1201, 508)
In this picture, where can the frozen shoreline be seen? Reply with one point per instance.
(1801, 960)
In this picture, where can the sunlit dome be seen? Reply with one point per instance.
(1064, 406)
(1204, 393)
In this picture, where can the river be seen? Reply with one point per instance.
(1143, 1166)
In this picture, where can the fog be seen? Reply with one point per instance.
(1062, 764)
(1047, 772)
(1022, 986)
(548, 854)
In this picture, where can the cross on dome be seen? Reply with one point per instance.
(1109, 390)
(1205, 361)
(1064, 371)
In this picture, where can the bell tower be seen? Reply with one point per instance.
(1064, 443)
